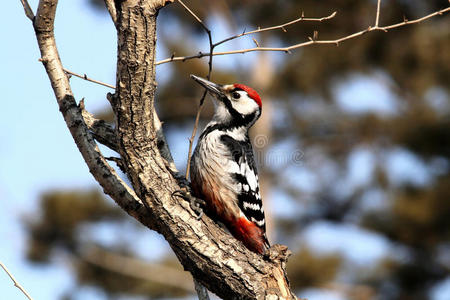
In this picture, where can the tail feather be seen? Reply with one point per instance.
(252, 236)
(266, 243)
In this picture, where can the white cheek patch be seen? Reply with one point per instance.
(221, 114)
(244, 105)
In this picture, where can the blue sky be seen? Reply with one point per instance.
(37, 152)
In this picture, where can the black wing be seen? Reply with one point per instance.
(249, 198)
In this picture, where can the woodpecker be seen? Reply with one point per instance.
(223, 170)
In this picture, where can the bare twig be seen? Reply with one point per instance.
(377, 18)
(194, 132)
(16, 284)
(281, 49)
(308, 43)
(194, 15)
(28, 11)
(85, 77)
(202, 99)
(110, 5)
(282, 27)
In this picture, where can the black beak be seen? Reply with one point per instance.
(214, 89)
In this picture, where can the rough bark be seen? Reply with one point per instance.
(213, 257)
(102, 131)
(98, 166)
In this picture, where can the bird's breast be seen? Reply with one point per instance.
(211, 177)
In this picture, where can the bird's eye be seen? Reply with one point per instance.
(236, 95)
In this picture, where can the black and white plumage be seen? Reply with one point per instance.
(223, 169)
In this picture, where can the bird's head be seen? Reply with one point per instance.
(236, 104)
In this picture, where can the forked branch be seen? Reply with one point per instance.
(282, 27)
(311, 40)
(214, 257)
(107, 177)
(102, 131)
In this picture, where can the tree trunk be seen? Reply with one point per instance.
(213, 256)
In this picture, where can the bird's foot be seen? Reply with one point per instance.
(195, 203)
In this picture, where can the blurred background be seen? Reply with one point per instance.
(353, 150)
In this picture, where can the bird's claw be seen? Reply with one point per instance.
(195, 203)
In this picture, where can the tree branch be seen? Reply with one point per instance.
(308, 43)
(28, 11)
(214, 257)
(282, 27)
(16, 284)
(106, 135)
(312, 41)
(377, 18)
(85, 77)
(202, 99)
(194, 15)
(111, 6)
(107, 177)
(102, 131)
